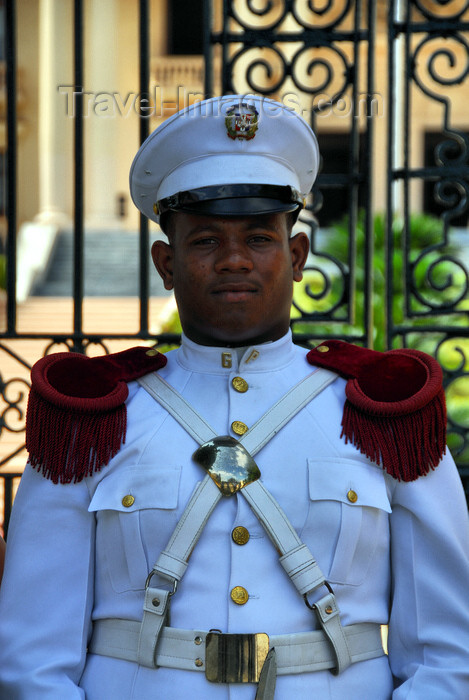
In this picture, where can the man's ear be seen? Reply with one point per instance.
(162, 255)
(299, 249)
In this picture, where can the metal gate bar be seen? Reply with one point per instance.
(8, 488)
(10, 45)
(144, 68)
(78, 232)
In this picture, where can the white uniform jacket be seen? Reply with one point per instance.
(396, 554)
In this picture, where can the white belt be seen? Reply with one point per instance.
(185, 649)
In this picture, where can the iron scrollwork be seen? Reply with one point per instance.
(435, 42)
(453, 355)
(449, 9)
(307, 55)
(13, 393)
(436, 68)
(13, 400)
(85, 346)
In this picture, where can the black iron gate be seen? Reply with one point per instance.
(318, 58)
(379, 275)
(428, 269)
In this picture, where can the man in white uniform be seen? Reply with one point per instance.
(116, 589)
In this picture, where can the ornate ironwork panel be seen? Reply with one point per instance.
(318, 59)
(428, 263)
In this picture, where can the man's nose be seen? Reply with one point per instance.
(233, 257)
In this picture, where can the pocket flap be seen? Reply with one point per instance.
(136, 488)
(348, 481)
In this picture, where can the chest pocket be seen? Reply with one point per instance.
(131, 505)
(347, 523)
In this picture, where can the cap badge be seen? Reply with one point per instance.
(242, 121)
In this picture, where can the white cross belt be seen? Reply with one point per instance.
(296, 558)
(333, 647)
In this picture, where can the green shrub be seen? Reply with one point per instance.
(425, 260)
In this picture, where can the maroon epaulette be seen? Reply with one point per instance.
(76, 419)
(395, 409)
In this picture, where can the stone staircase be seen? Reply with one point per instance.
(111, 265)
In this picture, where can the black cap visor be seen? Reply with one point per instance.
(234, 200)
(246, 206)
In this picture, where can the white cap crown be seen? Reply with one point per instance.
(230, 140)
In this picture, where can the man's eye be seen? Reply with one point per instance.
(259, 238)
(204, 241)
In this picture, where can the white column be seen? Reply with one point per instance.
(55, 130)
(102, 124)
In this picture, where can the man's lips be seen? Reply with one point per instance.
(235, 292)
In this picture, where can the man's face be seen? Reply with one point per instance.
(232, 277)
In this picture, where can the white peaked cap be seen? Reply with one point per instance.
(233, 140)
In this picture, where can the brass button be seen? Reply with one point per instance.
(151, 352)
(329, 610)
(239, 427)
(239, 595)
(352, 496)
(198, 662)
(239, 384)
(128, 501)
(322, 348)
(240, 535)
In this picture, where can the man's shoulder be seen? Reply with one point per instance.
(76, 418)
(395, 405)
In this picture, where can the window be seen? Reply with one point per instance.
(185, 27)
(334, 148)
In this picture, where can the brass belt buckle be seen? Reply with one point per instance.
(235, 658)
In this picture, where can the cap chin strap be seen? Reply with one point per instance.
(295, 558)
